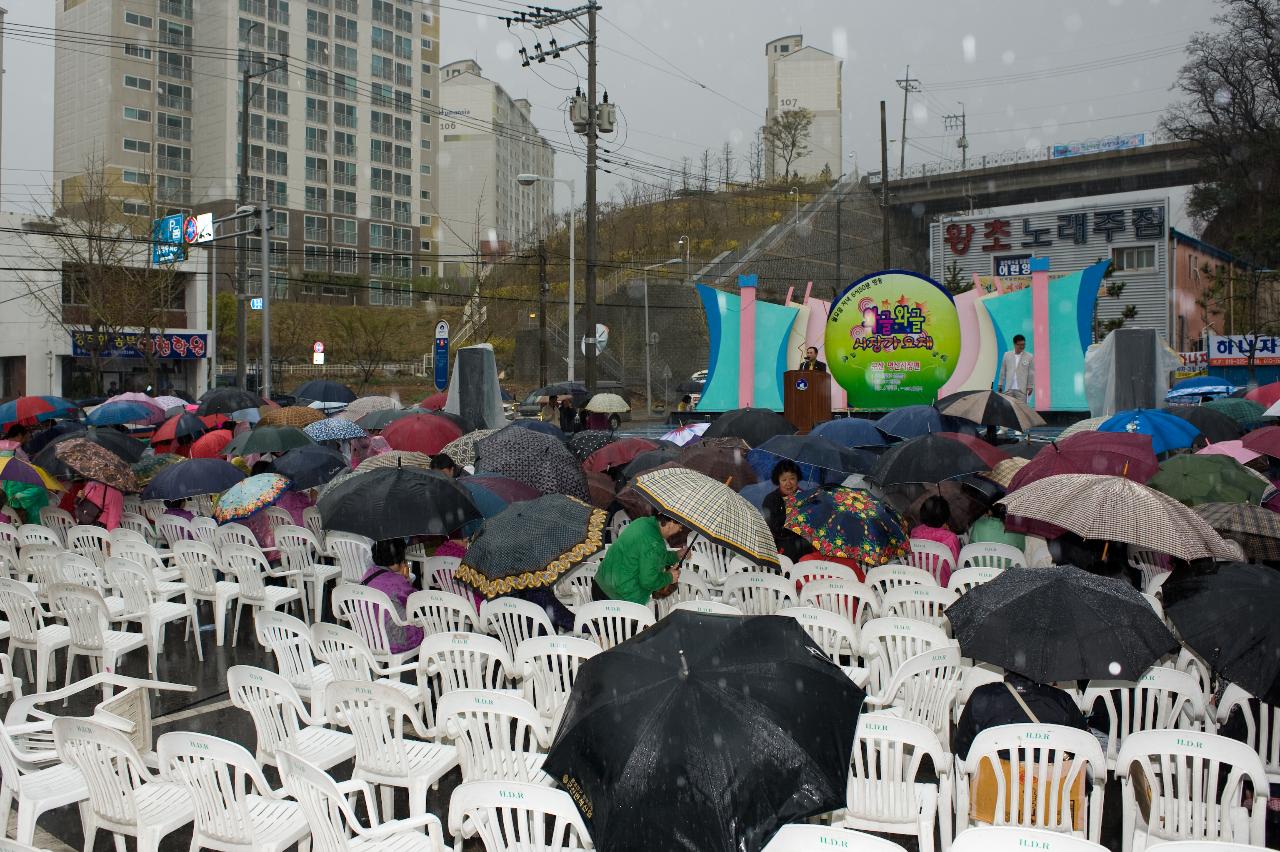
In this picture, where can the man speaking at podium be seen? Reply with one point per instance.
(811, 361)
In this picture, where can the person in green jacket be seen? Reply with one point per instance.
(990, 528)
(639, 563)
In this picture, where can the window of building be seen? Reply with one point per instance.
(381, 151)
(134, 208)
(136, 177)
(318, 22)
(426, 17)
(784, 48)
(428, 44)
(380, 179)
(344, 173)
(424, 245)
(142, 84)
(379, 236)
(1134, 258)
(137, 51)
(381, 95)
(317, 198)
(344, 115)
(318, 140)
(382, 67)
(134, 19)
(344, 261)
(135, 114)
(404, 184)
(344, 201)
(318, 169)
(383, 39)
(277, 101)
(404, 47)
(315, 258)
(137, 146)
(426, 68)
(346, 58)
(345, 28)
(344, 231)
(379, 207)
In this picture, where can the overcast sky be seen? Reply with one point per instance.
(691, 75)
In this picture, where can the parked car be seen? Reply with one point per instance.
(530, 407)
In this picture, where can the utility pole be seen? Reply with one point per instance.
(908, 85)
(544, 287)
(884, 189)
(839, 256)
(954, 122)
(589, 307)
(264, 225)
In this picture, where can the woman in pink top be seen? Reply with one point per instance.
(934, 515)
(109, 501)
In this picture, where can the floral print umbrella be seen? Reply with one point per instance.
(91, 461)
(248, 496)
(849, 523)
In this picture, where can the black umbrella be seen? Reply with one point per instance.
(820, 460)
(226, 401)
(129, 449)
(753, 425)
(531, 544)
(397, 502)
(322, 390)
(1060, 623)
(267, 439)
(192, 477)
(310, 466)
(912, 421)
(376, 421)
(1214, 425)
(928, 458)
(539, 426)
(586, 442)
(45, 437)
(650, 460)
(536, 459)
(706, 733)
(1227, 615)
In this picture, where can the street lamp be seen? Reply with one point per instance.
(795, 193)
(648, 340)
(529, 180)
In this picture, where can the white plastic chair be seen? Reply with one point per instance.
(848, 598)
(803, 837)
(87, 620)
(278, 517)
(142, 604)
(1012, 838)
(173, 529)
(923, 689)
(932, 557)
(885, 793)
(1262, 726)
(449, 661)
(574, 588)
(923, 603)
(441, 612)
(991, 554)
(333, 821)
(82, 571)
(281, 721)
(498, 736)
(40, 563)
(1195, 782)
(289, 640)
(37, 791)
(1148, 563)
(707, 607)
(964, 579)
(58, 520)
(29, 632)
(29, 534)
(547, 667)
(124, 797)
(314, 523)
(138, 524)
(610, 623)
(149, 558)
(376, 713)
(300, 551)
(514, 620)
(836, 635)
(233, 534)
(205, 529)
(151, 510)
(440, 571)
(235, 808)
(618, 523)
(370, 611)
(508, 816)
(690, 587)
(809, 570)
(1161, 699)
(882, 578)
(196, 563)
(759, 592)
(709, 560)
(1050, 766)
(250, 568)
(349, 658)
(889, 642)
(353, 553)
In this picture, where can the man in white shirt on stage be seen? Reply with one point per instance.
(1017, 371)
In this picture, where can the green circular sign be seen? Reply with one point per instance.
(892, 340)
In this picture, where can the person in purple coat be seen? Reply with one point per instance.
(390, 575)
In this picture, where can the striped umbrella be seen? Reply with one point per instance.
(396, 458)
(711, 508)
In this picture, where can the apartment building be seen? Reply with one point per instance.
(487, 138)
(342, 134)
(803, 77)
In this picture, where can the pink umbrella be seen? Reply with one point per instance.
(1234, 449)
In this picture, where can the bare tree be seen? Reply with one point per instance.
(366, 338)
(787, 135)
(684, 174)
(755, 157)
(704, 166)
(727, 165)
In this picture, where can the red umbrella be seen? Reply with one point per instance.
(178, 426)
(601, 487)
(1265, 395)
(1265, 440)
(421, 433)
(213, 421)
(211, 445)
(617, 454)
(988, 453)
(1109, 453)
(435, 402)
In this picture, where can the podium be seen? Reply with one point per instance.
(806, 398)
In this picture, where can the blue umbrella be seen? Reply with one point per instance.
(819, 459)
(539, 426)
(334, 429)
(310, 466)
(192, 477)
(1167, 431)
(1198, 386)
(125, 411)
(486, 500)
(850, 432)
(913, 421)
(757, 491)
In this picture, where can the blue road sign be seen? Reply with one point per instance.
(255, 304)
(441, 356)
(166, 240)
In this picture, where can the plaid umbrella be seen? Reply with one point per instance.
(293, 415)
(533, 458)
(421, 432)
(1167, 431)
(990, 409)
(848, 523)
(397, 502)
(1214, 425)
(926, 458)
(586, 442)
(1002, 474)
(126, 411)
(1113, 454)
(310, 466)
(227, 400)
(530, 545)
(29, 410)
(322, 390)
(334, 430)
(248, 496)
(181, 426)
(1256, 529)
(190, 478)
(91, 461)
(1196, 479)
(267, 439)
(607, 403)
(712, 509)
(1112, 508)
(1239, 410)
(1089, 424)
(211, 445)
(147, 469)
(396, 458)
(463, 450)
(367, 405)
(617, 454)
(14, 469)
(753, 425)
